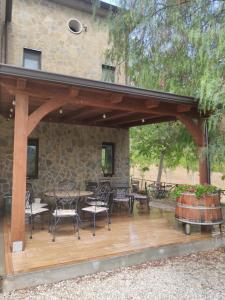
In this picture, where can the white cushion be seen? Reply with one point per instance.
(121, 199)
(35, 211)
(95, 209)
(64, 213)
(96, 203)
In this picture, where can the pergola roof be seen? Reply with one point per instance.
(91, 102)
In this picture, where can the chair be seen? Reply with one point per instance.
(32, 210)
(123, 196)
(98, 198)
(67, 185)
(101, 205)
(66, 206)
(91, 186)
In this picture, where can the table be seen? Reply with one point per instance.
(143, 202)
(62, 194)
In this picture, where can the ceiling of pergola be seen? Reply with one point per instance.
(89, 102)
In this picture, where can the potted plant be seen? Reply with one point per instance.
(197, 204)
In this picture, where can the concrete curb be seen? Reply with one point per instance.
(55, 274)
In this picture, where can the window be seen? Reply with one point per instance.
(108, 73)
(108, 159)
(32, 158)
(75, 26)
(32, 59)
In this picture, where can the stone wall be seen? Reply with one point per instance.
(43, 25)
(65, 152)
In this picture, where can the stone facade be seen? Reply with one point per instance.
(43, 25)
(66, 152)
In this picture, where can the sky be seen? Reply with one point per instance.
(110, 1)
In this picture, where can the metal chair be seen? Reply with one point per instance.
(66, 206)
(67, 185)
(101, 205)
(123, 196)
(32, 210)
(98, 198)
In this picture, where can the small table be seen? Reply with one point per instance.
(143, 202)
(62, 194)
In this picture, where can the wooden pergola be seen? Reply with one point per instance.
(39, 96)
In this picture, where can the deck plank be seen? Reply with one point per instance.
(127, 235)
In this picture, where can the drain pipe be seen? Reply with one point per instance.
(8, 18)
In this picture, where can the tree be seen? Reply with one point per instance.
(158, 146)
(173, 46)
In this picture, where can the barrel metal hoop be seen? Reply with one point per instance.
(199, 223)
(199, 207)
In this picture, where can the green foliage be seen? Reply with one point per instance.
(199, 190)
(162, 138)
(175, 48)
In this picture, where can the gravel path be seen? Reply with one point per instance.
(198, 276)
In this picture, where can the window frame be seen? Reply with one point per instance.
(111, 68)
(33, 142)
(113, 158)
(32, 51)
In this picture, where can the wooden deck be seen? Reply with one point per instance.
(127, 235)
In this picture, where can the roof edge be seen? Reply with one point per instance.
(10, 70)
(87, 5)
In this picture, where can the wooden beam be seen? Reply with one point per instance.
(183, 108)
(192, 127)
(21, 84)
(139, 119)
(115, 99)
(151, 104)
(73, 92)
(19, 173)
(150, 121)
(114, 116)
(42, 111)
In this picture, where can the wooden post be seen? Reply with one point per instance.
(19, 173)
(197, 130)
(204, 177)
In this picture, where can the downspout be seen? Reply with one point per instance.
(6, 43)
(8, 18)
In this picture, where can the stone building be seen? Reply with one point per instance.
(60, 37)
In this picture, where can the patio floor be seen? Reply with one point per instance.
(127, 235)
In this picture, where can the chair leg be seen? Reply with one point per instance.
(94, 226)
(108, 219)
(31, 227)
(54, 230)
(74, 225)
(78, 227)
(49, 223)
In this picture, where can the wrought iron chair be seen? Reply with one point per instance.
(123, 196)
(67, 185)
(32, 210)
(101, 205)
(98, 198)
(66, 206)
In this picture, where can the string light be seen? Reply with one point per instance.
(60, 111)
(11, 110)
(104, 116)
(143, 120)
(14, 102)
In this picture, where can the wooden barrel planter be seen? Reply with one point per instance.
(200, 211)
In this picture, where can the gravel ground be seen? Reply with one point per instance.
(197, 276)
